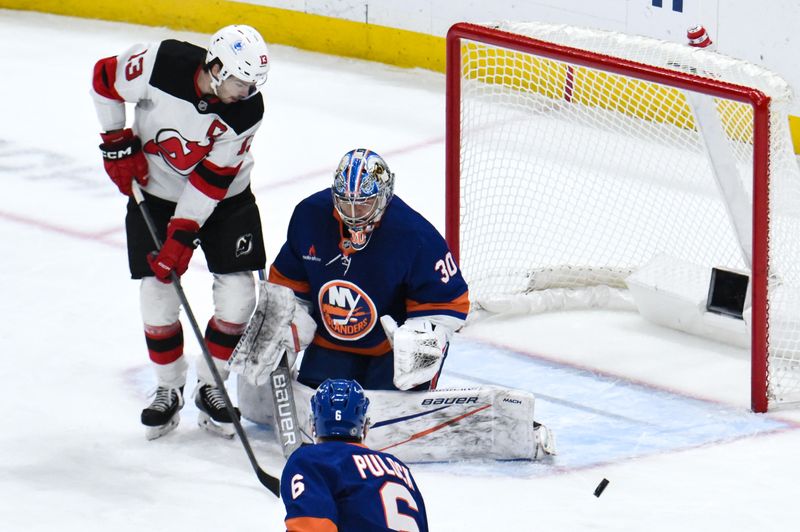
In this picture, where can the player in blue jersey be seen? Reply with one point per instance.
(357, 255)
(341, 485)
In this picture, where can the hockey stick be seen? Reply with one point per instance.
(267, 480)
(287, 427)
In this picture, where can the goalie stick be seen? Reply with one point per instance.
(287, 426)
(273, 312)
(267, 480)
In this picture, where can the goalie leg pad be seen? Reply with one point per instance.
(486, 422)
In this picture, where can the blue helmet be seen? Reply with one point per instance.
(362, 187)
(339, 409)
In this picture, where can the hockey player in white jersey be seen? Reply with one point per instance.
(188, 148)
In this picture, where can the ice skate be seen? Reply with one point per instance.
(213, 415)
(545, 441)
(162, 416)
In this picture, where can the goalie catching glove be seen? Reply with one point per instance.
(419, 350)
(280, 324)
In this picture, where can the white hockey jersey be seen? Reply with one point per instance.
(197, 148)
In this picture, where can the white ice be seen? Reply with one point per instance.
(661, 415)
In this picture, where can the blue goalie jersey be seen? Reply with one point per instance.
(405, 270)
(346, 487)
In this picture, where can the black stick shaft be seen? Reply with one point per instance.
(269, 482)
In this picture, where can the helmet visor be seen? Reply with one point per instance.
(356, 212)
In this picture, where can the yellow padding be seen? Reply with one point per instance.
(556, 80)
(794, 127)
(281, 26)
(396, 47)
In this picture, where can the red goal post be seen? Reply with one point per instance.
(520, 100)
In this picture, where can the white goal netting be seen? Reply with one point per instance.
(575, 172)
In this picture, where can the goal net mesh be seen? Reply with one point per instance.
(572, 177)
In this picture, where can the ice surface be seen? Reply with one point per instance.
(662, 415)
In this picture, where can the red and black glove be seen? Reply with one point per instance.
(177, 251)
(123, 159)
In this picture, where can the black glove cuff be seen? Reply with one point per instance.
(115, 151)
(187, 238)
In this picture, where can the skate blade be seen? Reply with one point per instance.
(224, 430)
(152, 433)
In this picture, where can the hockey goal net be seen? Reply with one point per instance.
(581, 163)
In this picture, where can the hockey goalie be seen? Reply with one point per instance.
(369, 289)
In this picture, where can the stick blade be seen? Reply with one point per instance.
(269, 482)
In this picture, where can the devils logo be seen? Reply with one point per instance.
(182, 154)
(179, 153)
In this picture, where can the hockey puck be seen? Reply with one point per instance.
(600, 487)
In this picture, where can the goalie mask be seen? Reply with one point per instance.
(362, 188)
(242, 53)
(339, 410)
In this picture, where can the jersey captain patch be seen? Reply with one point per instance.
(347, 311)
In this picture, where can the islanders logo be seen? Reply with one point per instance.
(347, 311)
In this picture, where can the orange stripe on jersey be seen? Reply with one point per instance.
(381, 349)
(310, 524)
(459, 304)
(104, 78)
(278, 278)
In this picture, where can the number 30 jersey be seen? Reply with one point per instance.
(337, 486)
(405, 270)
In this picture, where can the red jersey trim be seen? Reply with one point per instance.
(104, 77)
(213, 180)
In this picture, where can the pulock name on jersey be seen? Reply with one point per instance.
(450, 401)
(379, 466)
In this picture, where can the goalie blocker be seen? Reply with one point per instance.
(431, 426)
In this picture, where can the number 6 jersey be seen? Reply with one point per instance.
(337, 486)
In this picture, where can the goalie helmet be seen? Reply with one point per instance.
(362, 188)
(339, 410)
(241, 52)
